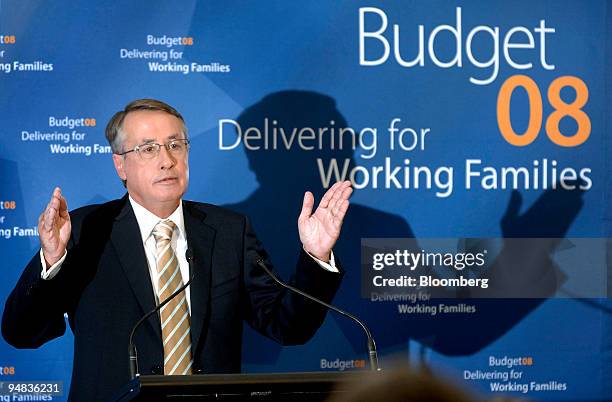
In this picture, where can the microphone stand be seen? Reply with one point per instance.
(371, 344)
(132, 353)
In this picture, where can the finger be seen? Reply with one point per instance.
(43, 233)
(41, 220)
(333, 203)
(63, 208)
(342, 200)
(55, 200)
(306, 206)
(52, 210)
(49, 218)
(342, 208)
(345, 184)
(328, 195)
(338, 196)
(346, 193)
(56, 194)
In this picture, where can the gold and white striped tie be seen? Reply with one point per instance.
(175, 323)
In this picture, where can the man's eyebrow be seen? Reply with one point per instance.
(152, 141)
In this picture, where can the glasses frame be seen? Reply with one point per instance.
(167, 145)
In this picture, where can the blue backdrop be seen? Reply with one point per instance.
(265, 87)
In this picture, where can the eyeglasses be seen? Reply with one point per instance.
(151, 150)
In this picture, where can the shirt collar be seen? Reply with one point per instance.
(147, 219)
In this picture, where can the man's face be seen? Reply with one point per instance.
(159, 183)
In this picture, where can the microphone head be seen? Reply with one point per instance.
(189, 255)
(254, 256)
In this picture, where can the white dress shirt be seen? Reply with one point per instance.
(146, 223)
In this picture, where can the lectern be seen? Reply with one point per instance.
(309, 386)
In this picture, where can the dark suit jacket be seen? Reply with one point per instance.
(105, 287)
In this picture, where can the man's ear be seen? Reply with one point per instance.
(118, 161)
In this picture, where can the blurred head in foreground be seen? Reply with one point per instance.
(403, 384)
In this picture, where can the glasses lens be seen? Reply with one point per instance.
(177, 146)
(148, 151)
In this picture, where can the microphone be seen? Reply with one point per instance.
(371, 344)
(131, 346)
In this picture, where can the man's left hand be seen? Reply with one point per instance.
(320, 230)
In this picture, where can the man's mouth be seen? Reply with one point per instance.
(166, 180)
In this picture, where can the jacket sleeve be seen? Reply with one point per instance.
(276, 312)
(34, 311)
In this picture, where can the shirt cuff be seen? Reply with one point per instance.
(328, 266)
(48, 274)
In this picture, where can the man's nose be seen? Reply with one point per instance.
(166, 159)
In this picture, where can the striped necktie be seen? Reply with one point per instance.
(174, 315)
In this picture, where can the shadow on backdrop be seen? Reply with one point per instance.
(284, 175)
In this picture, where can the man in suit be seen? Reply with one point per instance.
(107, 265)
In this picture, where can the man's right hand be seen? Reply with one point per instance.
(54, 228)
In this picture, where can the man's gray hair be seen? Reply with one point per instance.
(114, 133)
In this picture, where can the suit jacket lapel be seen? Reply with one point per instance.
(200, 239)
(127, 241)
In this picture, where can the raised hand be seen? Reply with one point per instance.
(320, 230)
(54, 228)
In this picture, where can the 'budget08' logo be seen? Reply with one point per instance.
(341, 365)
(71, 123)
